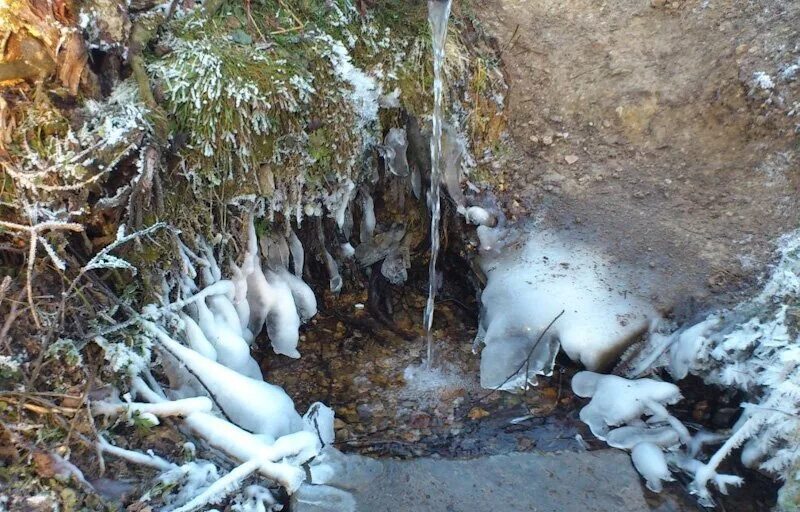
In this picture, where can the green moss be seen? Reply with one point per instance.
(259, 88)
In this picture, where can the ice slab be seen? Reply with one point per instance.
(535, 274)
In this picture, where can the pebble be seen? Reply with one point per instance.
(570, 159)
(552, 178)
(534, 139)
(547, 140)
(364, 412)
(420, 419)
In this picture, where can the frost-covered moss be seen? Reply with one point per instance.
(50, 153)
(285, 109)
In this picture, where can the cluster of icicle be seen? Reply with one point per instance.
(216, 387)
(631, 414)
(754, 347)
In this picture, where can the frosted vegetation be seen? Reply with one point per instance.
(752, 347)
(267, 115)
(201, 333)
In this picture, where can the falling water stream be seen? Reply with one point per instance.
(438, 16)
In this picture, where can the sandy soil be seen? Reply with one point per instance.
(644, 128)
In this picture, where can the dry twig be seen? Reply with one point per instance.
(35, 237)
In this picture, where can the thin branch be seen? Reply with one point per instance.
(34, 231)
(524, 363)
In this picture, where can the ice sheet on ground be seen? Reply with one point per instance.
(533, 275)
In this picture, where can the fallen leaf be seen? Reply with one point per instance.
(477, 413)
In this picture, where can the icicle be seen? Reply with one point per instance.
(236, 394)
(223, 309)
(303, 295)
(368, 219)
(208, 252)
(649, 461)
(347, 250)
(330, 263)
(283, 321)
(196, 339)
(259, 292)
(347, 227)
(453, 151)
(394, 149)
(341, 207)
(416, 182)
(232, 350)
(240, 299)
(298, 254)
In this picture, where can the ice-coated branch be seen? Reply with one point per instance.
(143, 459)
(708, 471)
(182, 407)
(234, 393)
(224, 486)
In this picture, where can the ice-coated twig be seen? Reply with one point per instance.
(182, 407)
(143, 459)
(708, 471)
(217, 491)
(104, 259)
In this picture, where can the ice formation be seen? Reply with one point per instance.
(533, 275)
(395, 146)
(649, 461)
(617, 401)
(657, 439)
(752, 347)
(216, 388)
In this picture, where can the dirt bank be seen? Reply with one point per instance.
(663, 132)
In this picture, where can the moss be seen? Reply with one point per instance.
(40, 126)
(259, 87)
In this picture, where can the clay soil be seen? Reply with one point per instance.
(640, 127)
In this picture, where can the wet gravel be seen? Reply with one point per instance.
(388, 404)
